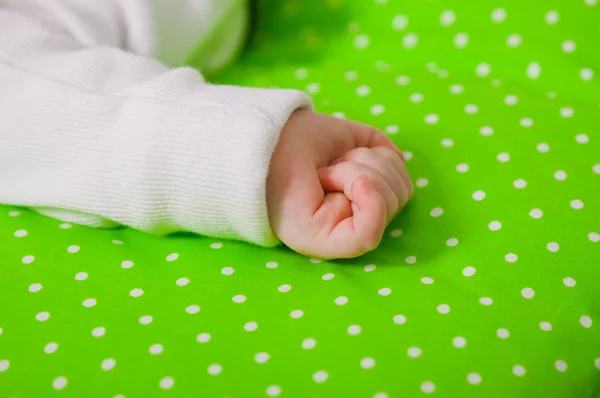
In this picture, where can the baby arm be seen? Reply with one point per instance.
(93, 128)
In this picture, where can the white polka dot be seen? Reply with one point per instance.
(59, 383)
(392, 129)
(511, 258)
(498, 15)
(166, 383)
(410, 41)
(447, 142)
(582, 138)
(127, 264)
(408, 155)
(156, 349)
(502, 333)
(590, 2)
(436, 212)
(427, 280)
(342, 300)
(577, 204)
(14, 213)
(417, 98)
(370, 267)
(428, 387)
(34, 288)
(528, 292)
(478, 195)
(261, 357)
(65, 225)
(469, 271)
(596, 168)
(146, 319)
(385, 291)
(203, 338)
(546, 326)
(553, 246)
(250, 326)
(457, 89)
(394, 234)
(586, 74)
(486, 301)
(367, 363)
(136, 292)
(422, 182)
(594, 237)
(313, 88)
(118, 242)
(172, 257)
(471, 109)
(474, 378)
(526, 122)
(400, 22)
(363, 91)
(452, 242)
(51, 348)
(192, 309)
(459, 342)
(568, 46)
(4, 365)
(534, 70)
(339, 115)
(377, 110)
(73, 249)
(518, 370)
(483, 69)
(560, 365)
(98, 331)
(320, 377)
(27, 259)
(486, 131)
(520, 183)
(108, 364)
(403, 80)
(328, 277)
(536, 213)
(315, 260)
(443, 308)
(567, 112)
(381, 395)
(240, 298)
(227, 271)
(514, 40)
(361, 42)
(560, 175)
(351, 75)
(447, 18)
(495, 225)
(90, 302)
(297, 314)
(353, 330)
(543, 147)
(216, 245)
(399, 319)
(432, 119)
(20, 233)
(503, 157)
(569, 282)
(414, 352)
(410, 260)
(284, 288)
(272, 265)
(273, 391)
(597, 363)
(301, 73)
(215, 369)
(462, 168)
(552, 17)
(461, 40)
(585, 321)
(432, 67)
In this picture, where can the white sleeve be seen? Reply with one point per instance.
(94, 130)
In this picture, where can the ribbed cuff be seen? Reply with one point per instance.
(217, 179)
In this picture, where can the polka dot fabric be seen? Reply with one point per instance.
(487, 285)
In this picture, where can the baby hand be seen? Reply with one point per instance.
(334, 186)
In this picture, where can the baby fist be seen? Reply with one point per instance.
(334, 186)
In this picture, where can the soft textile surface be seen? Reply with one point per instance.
(487, 285)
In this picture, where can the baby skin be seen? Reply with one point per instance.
(334, 186)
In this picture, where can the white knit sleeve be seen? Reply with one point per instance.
(93, 130)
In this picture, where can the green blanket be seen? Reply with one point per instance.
(487, 285)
